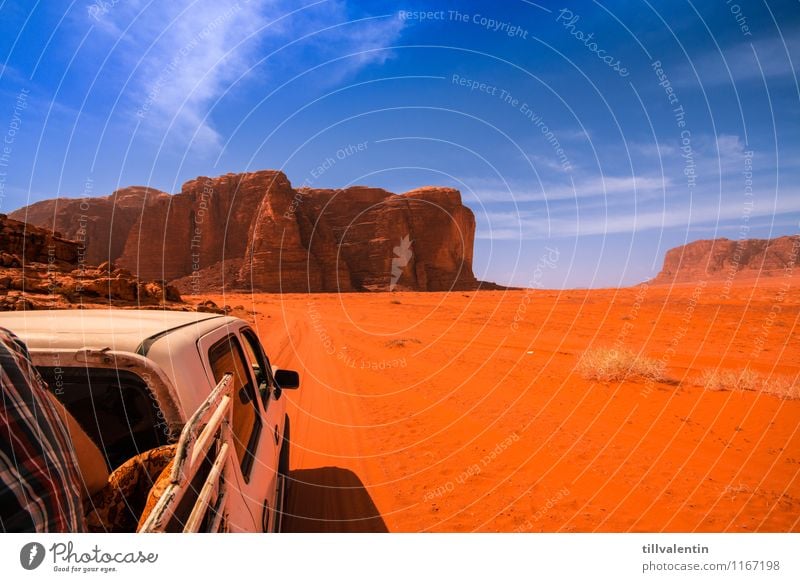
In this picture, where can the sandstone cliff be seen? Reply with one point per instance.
(40, 270)
(21, 243)
(254, 231)
(100, 224)
(722, 258)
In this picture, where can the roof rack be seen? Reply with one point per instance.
(205, 448)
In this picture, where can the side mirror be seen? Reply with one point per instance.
(287, 379)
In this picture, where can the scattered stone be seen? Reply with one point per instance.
(9, 260)
(40, 270)
(209, 306)
(171, 293)
(120, 272)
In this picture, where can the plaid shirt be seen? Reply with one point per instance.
(40, 487)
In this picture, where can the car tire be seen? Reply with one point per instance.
(283, 473)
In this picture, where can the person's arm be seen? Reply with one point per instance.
(91, 463)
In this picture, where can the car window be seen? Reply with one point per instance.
(260, 363)
(226, 357)
(114, 407)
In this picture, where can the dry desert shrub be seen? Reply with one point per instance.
(610, 364)
(717, 380)
(402, 342)
(781, 386)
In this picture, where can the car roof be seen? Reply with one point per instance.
(119, 329)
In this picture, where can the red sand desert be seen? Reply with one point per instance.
(463, 411)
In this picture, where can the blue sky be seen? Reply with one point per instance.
(553, 119)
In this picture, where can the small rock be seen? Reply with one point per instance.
(122, 273)
(171, 293)
(9, 260)
(23, 305)
(208, 306)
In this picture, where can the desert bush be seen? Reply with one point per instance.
(402, 342)
(718, 380)
(781, 386)
(610, 364)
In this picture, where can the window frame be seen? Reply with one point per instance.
(248, 460)
(249, 337)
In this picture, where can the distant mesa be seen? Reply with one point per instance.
(722, 258)
(255, 231)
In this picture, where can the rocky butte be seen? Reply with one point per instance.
(41, 270)
(255, 231)
(722, 258)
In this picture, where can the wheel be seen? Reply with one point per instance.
(283, 476)
(283, 463)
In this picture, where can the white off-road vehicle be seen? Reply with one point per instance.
(196, 385)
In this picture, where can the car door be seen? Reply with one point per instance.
(272, 410)
(252, 438)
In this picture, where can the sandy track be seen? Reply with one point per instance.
(326, 491)
(431, 412)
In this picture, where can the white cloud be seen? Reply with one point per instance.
(573, 134)
(185, 54)
(535, 224)
(182, 55)
(365, 40)
(728, 148)
(494, 191)
(766, 58)
(729, 151)
(550, 163)
(11, 75)
(653, 149)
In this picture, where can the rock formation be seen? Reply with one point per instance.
(254, 231)
(23, 243)
(352, 239)
(100, 224)
(723, 258)
(41, 270)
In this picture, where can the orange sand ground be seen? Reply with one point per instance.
(469, 423)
